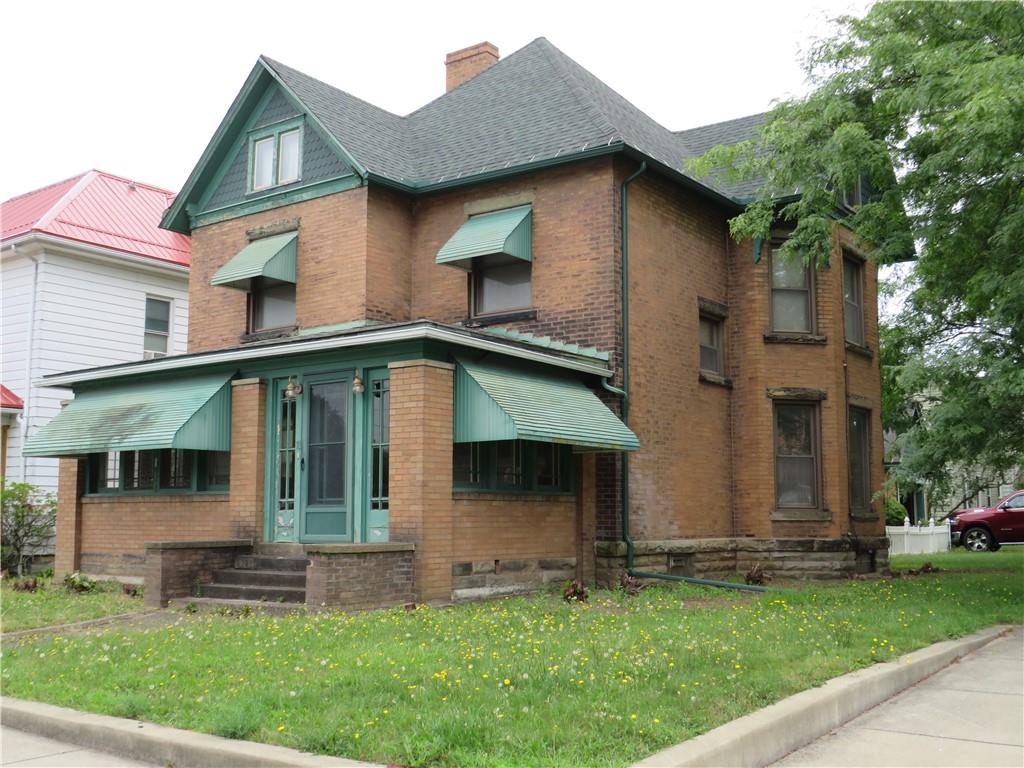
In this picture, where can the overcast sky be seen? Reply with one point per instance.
(138, 88)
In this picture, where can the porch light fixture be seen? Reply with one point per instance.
(293, 390)
(357, 386)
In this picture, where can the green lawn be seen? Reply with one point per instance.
(1006, 559)
(526, 681)
(52, 604)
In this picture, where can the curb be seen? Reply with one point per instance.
(762, 737)
(155, 744)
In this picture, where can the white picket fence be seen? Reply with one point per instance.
(913, 540)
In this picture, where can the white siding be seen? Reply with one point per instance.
(15, 301)
(88, 313)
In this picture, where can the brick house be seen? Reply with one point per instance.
(414, 372)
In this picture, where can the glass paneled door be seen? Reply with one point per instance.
(325, 468)
(311, 463)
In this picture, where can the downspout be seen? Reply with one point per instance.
(26, 414)
(624, 395)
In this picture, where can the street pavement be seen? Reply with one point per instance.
(19, 749)
(971, 714)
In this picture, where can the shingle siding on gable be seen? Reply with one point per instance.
(319, 160)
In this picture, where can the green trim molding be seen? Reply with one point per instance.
(193, 412)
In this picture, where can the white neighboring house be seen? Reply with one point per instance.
(88, 278)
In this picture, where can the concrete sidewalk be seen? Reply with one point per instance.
(971, 714)
(21, 749)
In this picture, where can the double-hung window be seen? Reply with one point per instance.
(853, 300)
(796, 455)
(501, 283)
(271, 305)
(859, 459)
(712, 359)
(792, 298)
(276, 158)
(157, 334)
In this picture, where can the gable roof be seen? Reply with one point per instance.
(99, 209)
(10, 401)
(534, 107)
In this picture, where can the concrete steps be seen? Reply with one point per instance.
(274, 574)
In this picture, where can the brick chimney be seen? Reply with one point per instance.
(467, 63)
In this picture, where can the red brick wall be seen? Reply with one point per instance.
(116, 528)
(331, 268)
(389, 228)
(504, 527)
(70, 487)
(359, 581)
(420, 490)
(680, 479)
(248, 430)
(575, 284)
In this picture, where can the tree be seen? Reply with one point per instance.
(924, 101)
(27, 518)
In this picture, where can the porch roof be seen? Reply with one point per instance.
(505, 342)
(192, 412)
(501, 401)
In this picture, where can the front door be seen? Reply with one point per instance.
(311, 462)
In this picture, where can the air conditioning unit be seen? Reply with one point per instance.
(147, 355)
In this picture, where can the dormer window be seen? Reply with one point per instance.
(276, 158)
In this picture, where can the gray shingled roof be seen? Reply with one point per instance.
(536, 104)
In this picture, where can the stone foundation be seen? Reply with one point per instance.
(357, 577)
(173, 568)
(719, 558)
(491, 578)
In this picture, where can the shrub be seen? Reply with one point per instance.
(79, 582)
(631, 585)
(894, 511)
(27, 522)
(575, 591)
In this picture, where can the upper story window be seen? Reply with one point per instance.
(501, 283)
(157, 334)
(276, 158)
(271, 305)
(853, 300)
(712, 359)
(792, 299)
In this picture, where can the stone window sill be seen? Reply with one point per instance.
(505, 317)
(275, 333)
(860, 349)
(864, 515)
(801, 515)
(529, 496)
(794, 338)
(714, 378)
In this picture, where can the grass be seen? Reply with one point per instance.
(52, 604)
(1009, 558)
(524, 681)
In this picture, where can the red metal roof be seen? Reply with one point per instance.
(99, 209)
(8, 399)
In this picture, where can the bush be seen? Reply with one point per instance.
(895, 512)
(79, 582)
(27, 521)
(575, 591)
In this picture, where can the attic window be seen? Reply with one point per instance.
(275, 156)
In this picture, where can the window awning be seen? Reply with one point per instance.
(508, 232)
(192, 413)
(496, 401)
(272, 257)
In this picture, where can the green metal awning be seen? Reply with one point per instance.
(496, 401)
(171, 413)
(272, 257)
(509, 232)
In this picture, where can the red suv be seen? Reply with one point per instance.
(991, 527)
